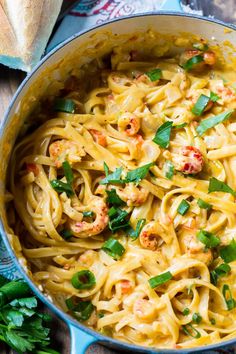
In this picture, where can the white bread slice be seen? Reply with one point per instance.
(27, 26)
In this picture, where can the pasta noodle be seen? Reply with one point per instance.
(125, 199)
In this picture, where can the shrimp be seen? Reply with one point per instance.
(149, 236)
(32, 167)
(126, 287)
(189, 161)
(61, 150)
(99, 137)
(129, 123)
(195, 249)
(85, 229)
(144, 309)
(132, 195)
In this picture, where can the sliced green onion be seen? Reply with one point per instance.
(82, 310)
(64, 105)
(183, 207)
(68, 172)
(220, 271)
(208, 239)
(212, 121)
(169, 169)
(106, 169)
(154, 74)
(228, 253)
(114, 248)
(100, 315)
(192, 62)
(214, 97)
(139, 173)
(216, 185)
(61, 187)
(162, 136)
(197, 318)
(229, 300)
(118, 219)
(201, 46)
(114, 177)
(113, 198)
(191, 331)
(160, 279)
(180, 126)
(83, 279)
(88, 214)
(186, 311)
(203, 205)
(134, 234)
(66, 234)
(213, 321)
(200, 105)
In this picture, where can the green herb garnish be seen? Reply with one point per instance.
(186, 311)
(191, 331)
(81, 310)
(197, 318)
(229, 300)
(66, 234)
(160, 279)
(192, 62)
(64, 105)
(114, 177)
(201, 46)
(61, 187)
(162, 136)
(114, 248)
(169, 169)
(216, 185)
(228, 253)
(22, 326)
(214, 97)
(212, 121)
(203, 205)
(183, 207)
(179, 126)
(68, 172)
(213, 321)
(113, 198)
(139, 173)
(118, 219)
(208, 239)
(88, 214)
(134, 234)
(220, 271)
(154, 74)
(200, 105)
(83, 279)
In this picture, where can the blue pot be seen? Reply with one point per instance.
(54, 65)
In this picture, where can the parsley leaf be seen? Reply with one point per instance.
(154, 74)
(228, 253)
(216, 185)
(114, 177)
(162, 136)
(139, 173)
(113, 198)
(212, 121)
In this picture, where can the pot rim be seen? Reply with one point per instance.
(70, 321)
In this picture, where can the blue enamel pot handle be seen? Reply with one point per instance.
(80, 340)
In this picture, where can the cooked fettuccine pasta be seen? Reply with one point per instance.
(125, 198)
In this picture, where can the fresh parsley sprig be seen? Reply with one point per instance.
(22, 326)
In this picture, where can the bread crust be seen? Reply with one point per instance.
(27, 26)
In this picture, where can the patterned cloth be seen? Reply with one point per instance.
(87, 14)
